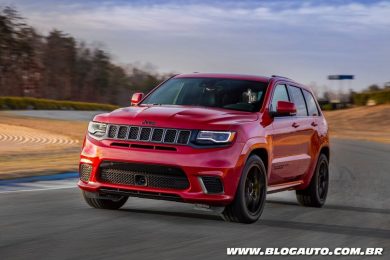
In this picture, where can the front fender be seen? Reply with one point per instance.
(258, 143)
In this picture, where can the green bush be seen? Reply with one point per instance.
(48, 104)
(380, 97)
(326, 107)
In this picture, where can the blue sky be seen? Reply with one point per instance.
(305, 40)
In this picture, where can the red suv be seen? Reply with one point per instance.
(216, 140)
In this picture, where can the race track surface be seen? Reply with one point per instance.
(51, 221)
(57, 114)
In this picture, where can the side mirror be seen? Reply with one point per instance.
(136, 98)
(284, 108)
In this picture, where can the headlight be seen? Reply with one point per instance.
(96, 129)
(219, 137)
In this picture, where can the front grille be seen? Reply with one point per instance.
(155, 176)
(85, 172)
(113, 130)
(122, 133)
(212, 184)
(183, 137)
(145, 134)
(133, 133)
(157, 135)
(170, 136)
(149, 134)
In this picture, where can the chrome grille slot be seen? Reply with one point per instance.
(145, 134)
(122, 133)
(184, 136)
(148, 134)
(157, 135)
(170, 136)
(133, 134)
(113, 130)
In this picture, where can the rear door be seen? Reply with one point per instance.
(313, 119)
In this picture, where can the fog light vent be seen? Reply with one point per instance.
(85, 172)
(212, 184)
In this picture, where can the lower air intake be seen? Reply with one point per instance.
(155, 176)
(212, 184)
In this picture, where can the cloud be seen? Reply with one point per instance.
(302, 39)
(178, 18)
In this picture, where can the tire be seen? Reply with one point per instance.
(104, 203)
(249, 201)
(315, 194)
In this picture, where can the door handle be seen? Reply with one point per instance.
(314, 124)
(295, 125)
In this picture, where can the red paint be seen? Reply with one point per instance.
(286, 108)
(136, 98)
(293, 144)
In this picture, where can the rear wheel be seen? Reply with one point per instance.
(251, 192)
(109, 203)
(315, 194)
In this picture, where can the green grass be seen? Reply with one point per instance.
(380, 97)
(12, 103)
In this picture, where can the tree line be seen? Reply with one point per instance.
(57, 66)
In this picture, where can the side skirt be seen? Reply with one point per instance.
(283, 186)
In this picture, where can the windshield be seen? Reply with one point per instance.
(242, 95)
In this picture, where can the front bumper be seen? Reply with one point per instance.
(225, 163)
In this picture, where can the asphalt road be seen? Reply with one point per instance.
(57, 224)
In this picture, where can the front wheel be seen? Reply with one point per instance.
(249, 201)
(315, 194)
(99, 203)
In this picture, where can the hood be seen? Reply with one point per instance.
(177, 117)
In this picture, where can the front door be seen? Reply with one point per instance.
(290, 137)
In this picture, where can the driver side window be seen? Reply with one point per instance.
(280, 94)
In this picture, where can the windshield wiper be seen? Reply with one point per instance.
(153, 104)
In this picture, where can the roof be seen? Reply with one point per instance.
(240, 77)
(226, 76)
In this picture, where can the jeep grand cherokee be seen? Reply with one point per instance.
(218, 140)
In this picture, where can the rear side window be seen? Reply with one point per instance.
(299, 101)
(280, 94)
(311, 104)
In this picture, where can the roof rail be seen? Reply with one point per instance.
(277, 76)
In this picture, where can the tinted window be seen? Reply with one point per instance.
(280, 94)
(169, 95)
(311, 104)
(243, 95)
(299, 101)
